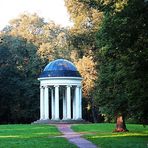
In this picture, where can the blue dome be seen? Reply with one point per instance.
(60, 68)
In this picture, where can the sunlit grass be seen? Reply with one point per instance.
(31, 136)
(28, 131)
(102, 135)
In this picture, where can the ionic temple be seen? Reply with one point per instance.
(60, 92)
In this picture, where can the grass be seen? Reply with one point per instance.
(43, 136)
(31, 136)
(102, 135)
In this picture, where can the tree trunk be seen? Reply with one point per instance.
(120, 124)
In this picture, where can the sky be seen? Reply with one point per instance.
(49, 9)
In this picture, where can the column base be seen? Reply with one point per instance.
(59, 121)
(77, 119)
(64, 119)
(56, 119)
(43, 119)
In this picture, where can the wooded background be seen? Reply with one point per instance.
(109, 46)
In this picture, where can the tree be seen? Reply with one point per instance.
(56, 45)
(49, 38)
(82, 41)
(122, 53)
(19, 87)
(87, 68)
(27, 26)
(26, 46)
(86, 21)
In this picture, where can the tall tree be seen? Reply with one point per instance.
(123, 58)
(86, 21)
(26, 46)
(19, 87)
(82, 37)
(56, 44)
(87, 68)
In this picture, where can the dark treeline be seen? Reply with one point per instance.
(109, 45)
(27, 45)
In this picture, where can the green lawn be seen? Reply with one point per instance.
(31, 136)
(102, 135)
(43, 136)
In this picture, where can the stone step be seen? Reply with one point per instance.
(60, 121)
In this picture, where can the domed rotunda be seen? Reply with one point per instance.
(60, 92)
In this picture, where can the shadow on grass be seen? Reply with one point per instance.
(119, 140)
(35, 143)
(102, 135)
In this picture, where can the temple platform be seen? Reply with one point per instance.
(81, 121)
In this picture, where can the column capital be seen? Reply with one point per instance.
(42, 87)
(68, 85)
(46, 86)
(56, 85)
(50, 87)
(78, 86)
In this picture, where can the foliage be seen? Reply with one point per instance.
(87, 68)
(27, 45)
(86, 21)
(49, 38)
(122, 53)
(19, 66)
(108, 44)
(102, 135)
(85, 18)
(106, 6)
(82, 37)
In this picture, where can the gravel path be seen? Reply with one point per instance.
(74, 137)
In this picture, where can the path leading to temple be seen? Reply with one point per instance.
(74, 137)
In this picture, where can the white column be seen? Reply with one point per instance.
(46, 103)
(64, 104)
(68, 102)
(56, 102)
(77, 102)
(41, 102)
(52, 104)
(74, 104)
(80, 103)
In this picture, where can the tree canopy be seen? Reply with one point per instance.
(27, 45)
(109, 45)
(123, 58)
